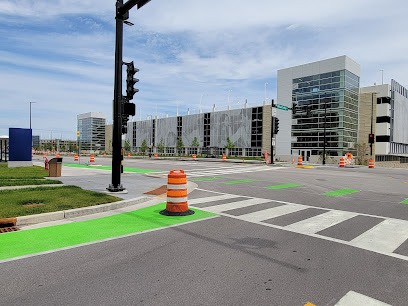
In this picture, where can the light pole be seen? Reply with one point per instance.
(371, 130)
(266, 83)
(30, 113)
(324, 134)
(382, 76)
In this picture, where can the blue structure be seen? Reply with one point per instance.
(20, 149)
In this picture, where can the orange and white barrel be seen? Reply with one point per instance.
(92, 158)
(104, 154)
(224, 157)
(371, 163)
(155, 155)
(194, 157)
(177, 195)
(58, 154)
(128, 154)
(76, 157)
(342, 164)
(300, 161)
(44, 155)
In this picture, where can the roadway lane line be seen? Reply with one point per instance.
(272, 212)
(318, 223)
(234, 205)
(356, 299)
(386, 236)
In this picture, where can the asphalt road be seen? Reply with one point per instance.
(287, 246)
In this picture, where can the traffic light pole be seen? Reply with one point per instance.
(117, 104)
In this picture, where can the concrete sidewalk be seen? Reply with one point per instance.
(136, 184)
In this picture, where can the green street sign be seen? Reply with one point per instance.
(282, 107)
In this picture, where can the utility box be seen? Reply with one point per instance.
(55, 165)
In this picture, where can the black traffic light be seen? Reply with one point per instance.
(131, 81)
(294, 108)
(276, 125)
(370, 138)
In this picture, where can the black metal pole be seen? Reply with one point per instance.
(117, 117)
(324, 135)
(372, 107)
(272, 128)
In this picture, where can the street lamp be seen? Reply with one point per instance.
(266, 83)
(30, 113)
(382, 76)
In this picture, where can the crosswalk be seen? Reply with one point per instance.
(217, 171)
(384, 235)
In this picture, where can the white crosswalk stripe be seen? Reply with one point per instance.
(223, 170)
(356, 299)
(387, 235)
(383, 238)
(318, 223)
(234, 205)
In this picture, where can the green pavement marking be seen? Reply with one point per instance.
(208, 178)
(110, 168)
(38, 240)
(404, 202)
(243, 181)
(283, 186)
(340, 192)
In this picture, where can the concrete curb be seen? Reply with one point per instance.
(30, 186)
(77, 212)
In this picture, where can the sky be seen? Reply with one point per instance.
(60, 53)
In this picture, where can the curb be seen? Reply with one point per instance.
(30, 186)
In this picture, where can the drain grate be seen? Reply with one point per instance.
(8, 229)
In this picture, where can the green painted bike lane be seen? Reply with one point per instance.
(39, 240)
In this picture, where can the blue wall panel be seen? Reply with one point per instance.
(20, 141)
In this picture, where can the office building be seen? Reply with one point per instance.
(326, 95)
(91, 127)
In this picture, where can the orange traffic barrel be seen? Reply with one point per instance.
(128, 154)
(58, 154)
(342, 164)
(300, 163)
(44, 155)
(155, 155)
(224, 157)
(177, 195)
(76, 157)
(194, 157)
(371, 163)
(92, 158)
(104, 154)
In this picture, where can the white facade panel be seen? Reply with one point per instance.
(384, 110)
(382, 148)
(382, 129)
(400, 128)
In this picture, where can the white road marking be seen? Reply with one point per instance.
(272, 212)
(320, 222)
(233, 205)
(386, 236)
(211, 199)
(356, 299)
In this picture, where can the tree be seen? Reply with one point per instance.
(362, 153)
(229, 145)
(180, 145)
(195, 143)
(160, 146)
(127, 146)
(144, 146)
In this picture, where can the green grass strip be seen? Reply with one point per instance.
(283, 186)
(208, 178)
(110, 168)
(405, 201)
(340, 192)
(38, 240)
(243, 181)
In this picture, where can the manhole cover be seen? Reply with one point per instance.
(158, 191)
(8, 229)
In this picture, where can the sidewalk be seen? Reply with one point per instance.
(136, 185)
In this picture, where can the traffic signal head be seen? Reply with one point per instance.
(131, 81)
(370, 138)
(294, 108)
(276, 125)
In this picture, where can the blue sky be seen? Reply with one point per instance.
(60, 53)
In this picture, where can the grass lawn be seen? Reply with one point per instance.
(28, 201)
(19, 176)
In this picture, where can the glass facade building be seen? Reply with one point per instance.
(327, 108)
(91, 127)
